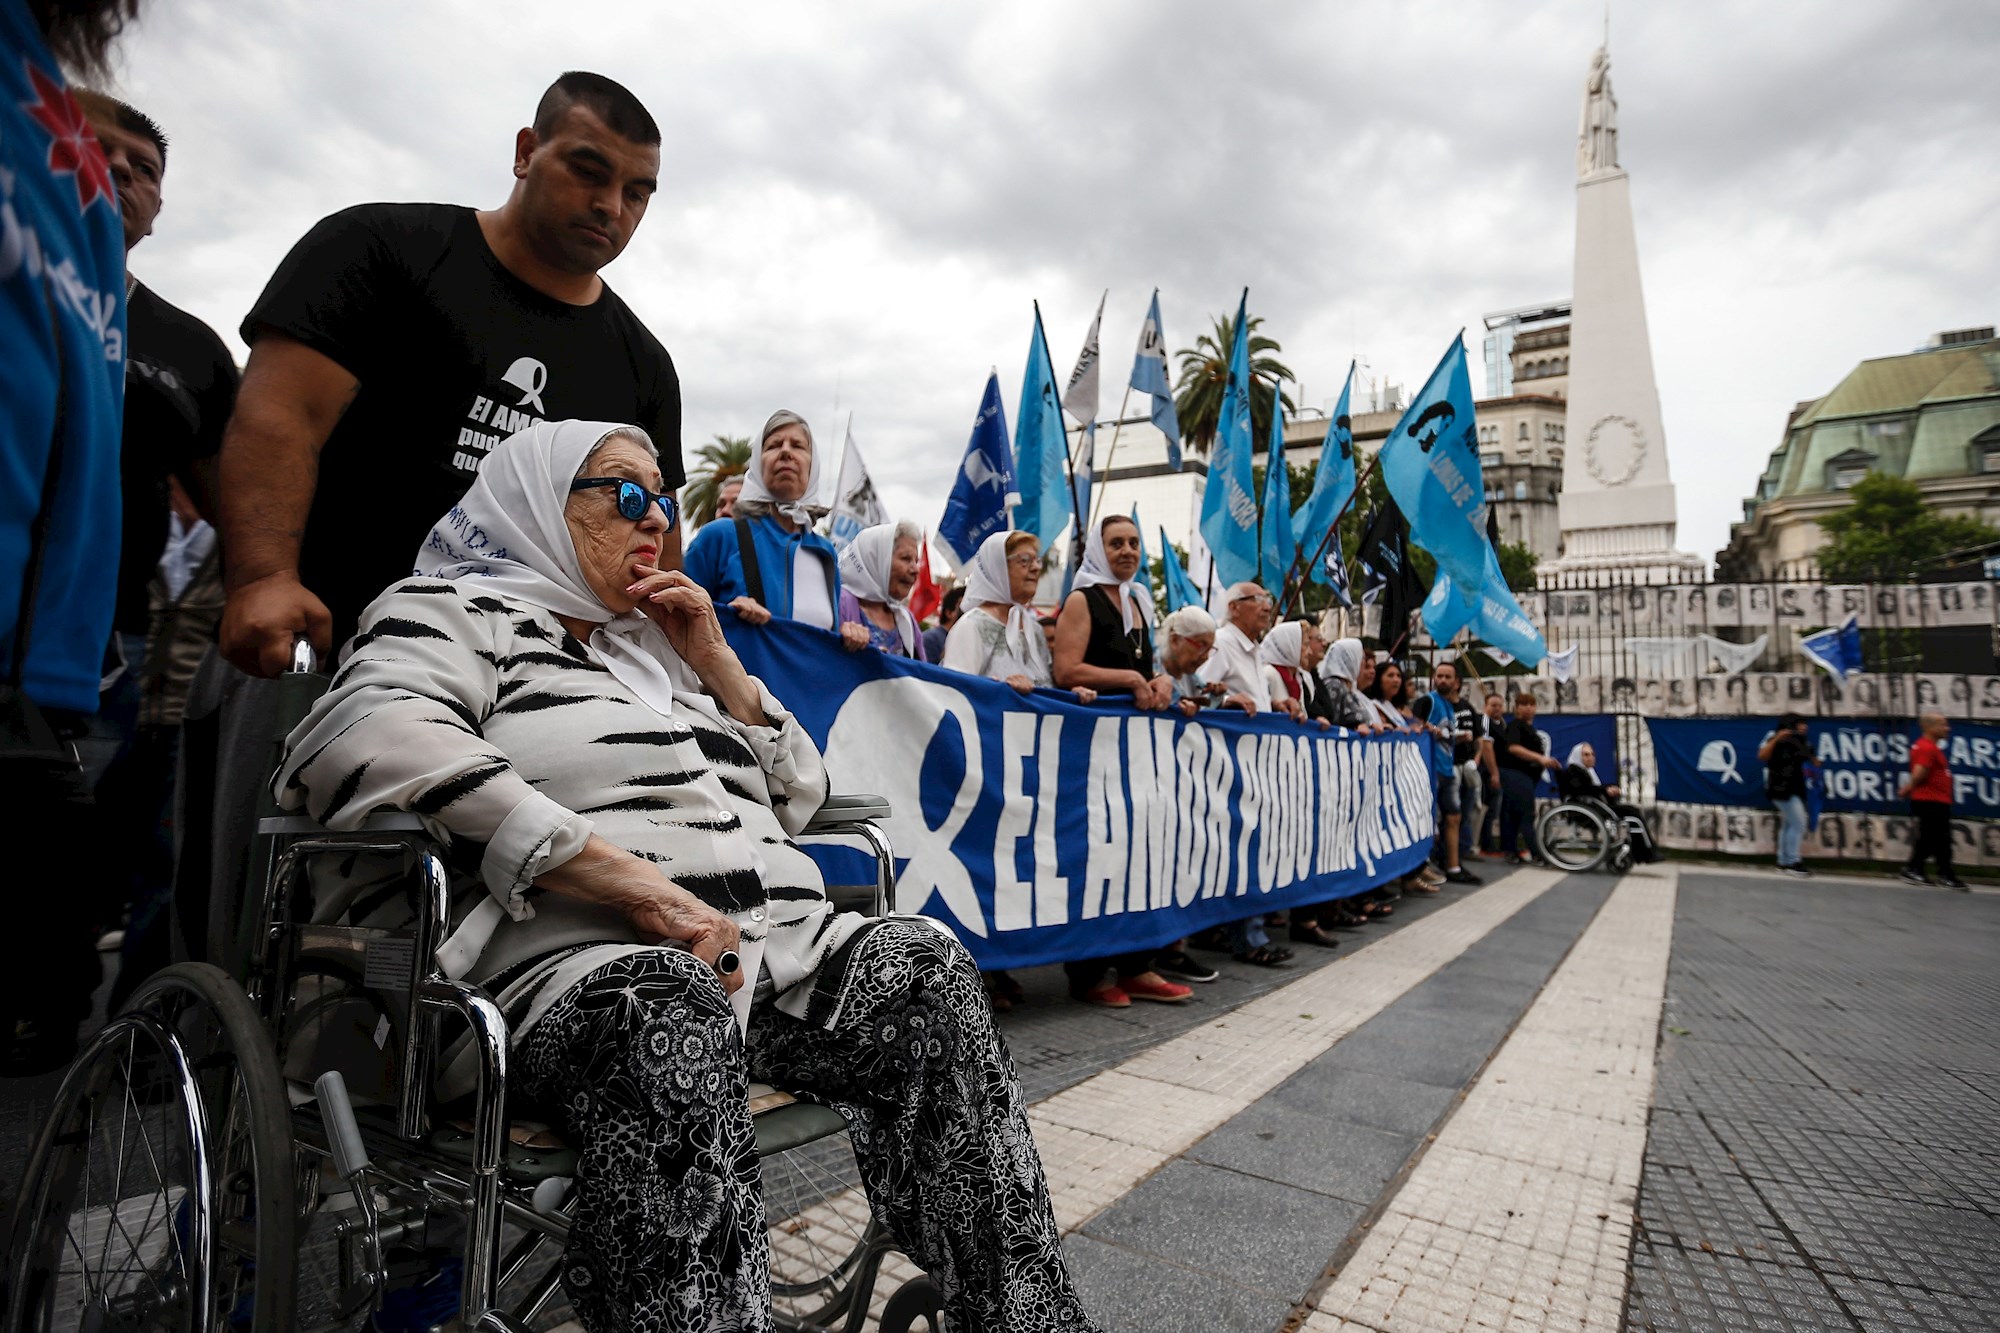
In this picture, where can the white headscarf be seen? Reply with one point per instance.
(802, 511)
(864, 571)
(1576, 755)
(1282, 646)
(1096, 569)
(986, 580)
(1343, 661)
(508, 534)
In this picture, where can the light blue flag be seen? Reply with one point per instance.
(1333, 487)
(1181, 590)
(978, 505)
(1278, 549)
(1145, 579)
(1041, 446)
(1837, 649)
(1431, 465)
(1491, 611)
(1229, 505)
(1149, 376)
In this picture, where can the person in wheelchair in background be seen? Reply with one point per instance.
(1579, 781)
(619, 796)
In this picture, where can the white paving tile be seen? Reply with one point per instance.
(1520, 1214)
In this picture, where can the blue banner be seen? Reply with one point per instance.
(1333, 486)
(1229, 503)
(977, 507)
(1041, 447)
(1713, 761)
(1040, 830)
(1430, 462)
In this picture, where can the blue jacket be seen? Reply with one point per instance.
(62, 284)
(715, 561)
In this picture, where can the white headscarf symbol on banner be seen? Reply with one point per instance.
(509, 534)
(805, 510)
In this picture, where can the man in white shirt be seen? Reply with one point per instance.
(1234, 664)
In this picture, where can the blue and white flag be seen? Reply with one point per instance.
(1431, 465)
(1229, 505)
(1490, 609)
(1145, 578)
(1081, 397)
(1333, 487)
(855, 503)
(1837, 649)
(979, 498)
(1332, 571)
(1149, 376)
(1041, 446)
(1181, 590)
(1278, 550)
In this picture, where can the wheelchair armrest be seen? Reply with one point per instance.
(383, 821)
(848, 808)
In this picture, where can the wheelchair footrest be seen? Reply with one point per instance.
(519, 1165)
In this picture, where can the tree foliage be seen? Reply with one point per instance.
(724, 457)
(1887, 531)
(1517, 564)
(1204, 377)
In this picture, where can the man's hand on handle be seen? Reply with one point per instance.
(265, 616)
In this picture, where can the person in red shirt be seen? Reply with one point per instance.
(1929, 788)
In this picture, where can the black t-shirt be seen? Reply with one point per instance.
(180, 384)
(1784, 773)
(1514, 732)
(1466, 749)
(454, 354)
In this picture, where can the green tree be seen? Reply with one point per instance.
(1517, 564)
(1887, 531)
(1204, 376)
(716, 462)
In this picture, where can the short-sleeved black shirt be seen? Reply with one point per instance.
(180, 384)
(1518, 732)
(454, 354)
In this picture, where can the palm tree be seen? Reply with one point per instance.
(727, 456)
(1205, 376)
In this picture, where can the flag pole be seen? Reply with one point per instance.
(1298, 568)
(1110, 452)
(1069, 470)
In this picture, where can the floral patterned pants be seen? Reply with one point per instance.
(642, 1065)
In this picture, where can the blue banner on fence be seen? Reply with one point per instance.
(1041, 830)
(1713, 761)
(1563, 732)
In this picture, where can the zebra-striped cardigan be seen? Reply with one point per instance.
(488, 719)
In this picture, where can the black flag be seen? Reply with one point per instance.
(1392, 582)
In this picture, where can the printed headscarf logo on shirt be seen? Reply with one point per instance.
(73, 149)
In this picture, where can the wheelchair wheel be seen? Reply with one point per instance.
(159, 1194)
(1573, 837)
(915, 1308)
(824, 1244)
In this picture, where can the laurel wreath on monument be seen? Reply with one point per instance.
(1638, 451)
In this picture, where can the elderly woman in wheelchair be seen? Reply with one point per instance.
(1590, 827)
(621, 797)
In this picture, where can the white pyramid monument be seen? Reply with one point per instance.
(1617, 507)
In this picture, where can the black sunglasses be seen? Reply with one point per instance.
(632, 498)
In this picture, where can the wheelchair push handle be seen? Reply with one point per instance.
(343, 1135)
(304, 660)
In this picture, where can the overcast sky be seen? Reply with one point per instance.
(864, 199)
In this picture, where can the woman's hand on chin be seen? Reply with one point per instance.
(684, 613)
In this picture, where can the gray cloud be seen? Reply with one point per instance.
(868, 200)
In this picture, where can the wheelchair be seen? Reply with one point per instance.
(1582, 831)
(206, 1138)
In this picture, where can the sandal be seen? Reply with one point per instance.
(1266, 956)
(1319, 935)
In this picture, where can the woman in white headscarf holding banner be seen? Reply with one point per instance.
(998, 636)
(877, 571)
(1104, 636)
(766, 560)
(618, 797)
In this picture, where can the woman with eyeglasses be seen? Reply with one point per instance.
(619, 797)
(1104, 636)
(998, 636)
(766, 561)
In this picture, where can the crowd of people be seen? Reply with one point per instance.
(451, 466)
